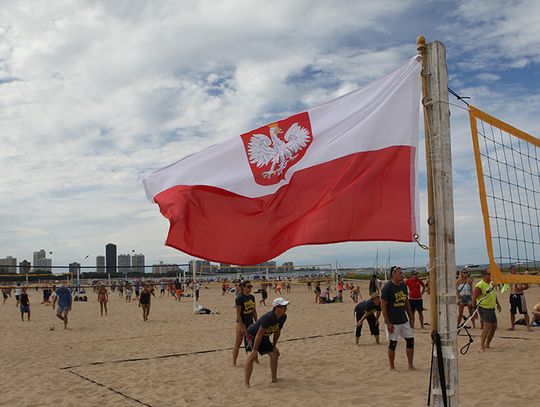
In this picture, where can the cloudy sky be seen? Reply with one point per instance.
(94, 95)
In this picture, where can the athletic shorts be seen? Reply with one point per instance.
(465, 299)
(25, 309)
(62, 312)
(400, 331)
(265, 346)
(518, 303)
(487, 315)
(416, 305)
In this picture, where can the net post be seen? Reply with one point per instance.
(442, 258)
(421, 48)
(194, 277)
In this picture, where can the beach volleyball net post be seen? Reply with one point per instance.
(508, 171)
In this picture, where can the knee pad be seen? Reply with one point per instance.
(392, 345)
(410, 343)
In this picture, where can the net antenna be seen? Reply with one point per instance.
(508, 171)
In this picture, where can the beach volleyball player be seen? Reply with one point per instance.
(258, 338)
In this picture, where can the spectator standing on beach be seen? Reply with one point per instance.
(355, 293)
(178, 291)
(264, 293)
(485, 298)
(161, 288)
(18, 291)
(6, 292)
(197, 288)
(103, 298)
(373, 285)
(416, 289)
(518, 302)
(246, 314)
(369, 310)
(258, 338)
(137, 287)
(464, 287)
(65, 300)
(317, 292)
(24, 303)
(129, 291)
(395, 309)
(340, 290)
(144, 301)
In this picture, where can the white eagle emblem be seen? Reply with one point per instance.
(263, 150)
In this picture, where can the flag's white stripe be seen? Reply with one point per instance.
(379, 115)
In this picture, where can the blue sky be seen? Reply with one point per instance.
(94, 95)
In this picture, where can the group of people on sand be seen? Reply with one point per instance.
(61, 299)
(480, 298)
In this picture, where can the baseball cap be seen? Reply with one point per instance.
(279, 302)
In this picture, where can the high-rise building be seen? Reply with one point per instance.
(8, 265)
(24, 267)
(100, 264)
(41, 263)
(37, 256)
(43, 266)
(74, 268)
(124, 263)
(137, 263)
(110, 258)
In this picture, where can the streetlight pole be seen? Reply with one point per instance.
(79, 274)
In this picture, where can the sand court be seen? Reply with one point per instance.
(179, 358)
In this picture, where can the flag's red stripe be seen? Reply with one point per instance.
(363, 196)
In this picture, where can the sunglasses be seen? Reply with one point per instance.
(249, 286)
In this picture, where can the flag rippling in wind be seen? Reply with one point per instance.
(342, 171)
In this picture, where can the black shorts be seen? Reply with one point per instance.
(265, 346)
(517, 303)
(487, 315)
(417, 305)
(373, 326)
(264, 295)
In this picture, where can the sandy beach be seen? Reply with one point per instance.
(178, 358)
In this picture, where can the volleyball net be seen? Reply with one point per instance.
(508, 171)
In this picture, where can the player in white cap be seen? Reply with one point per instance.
(258, 338)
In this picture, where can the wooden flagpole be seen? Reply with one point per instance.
(441, 220)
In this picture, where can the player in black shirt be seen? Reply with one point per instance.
(369, 310)
(24, 303)
(397, 315)
(246, 314)
(258, 338)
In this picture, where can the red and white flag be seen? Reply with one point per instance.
(341, 171)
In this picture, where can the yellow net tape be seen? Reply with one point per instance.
(508, 171)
